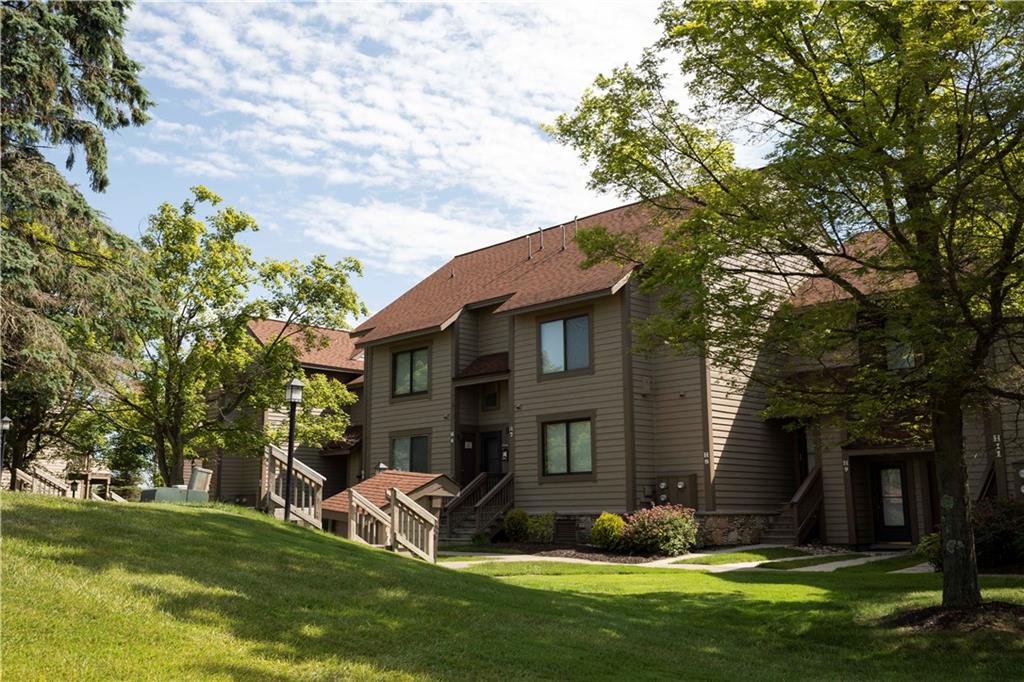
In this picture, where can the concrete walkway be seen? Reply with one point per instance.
(670, 562)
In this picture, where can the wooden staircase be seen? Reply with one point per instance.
(406, 528)
(477, 509)
(307, 488)
(798, 517)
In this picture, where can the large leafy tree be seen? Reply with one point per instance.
(66, 276)
(895, 187)
(202, 379)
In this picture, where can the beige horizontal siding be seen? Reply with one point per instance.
(601, 391)
(431, 413)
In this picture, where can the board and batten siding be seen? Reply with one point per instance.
(601, 391)
(430, 413)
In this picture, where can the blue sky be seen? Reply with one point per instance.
(399, 134)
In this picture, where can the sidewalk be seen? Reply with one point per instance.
(669, 562)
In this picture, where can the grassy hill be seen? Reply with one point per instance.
(101, 591)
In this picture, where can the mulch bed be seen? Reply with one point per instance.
(997, 616)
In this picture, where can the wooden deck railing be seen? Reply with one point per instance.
(412, 527)
(405, 526)
(496, 502)
(806, 503)
(367, 523)
(41, 483)
(307, 487)
(463, 505)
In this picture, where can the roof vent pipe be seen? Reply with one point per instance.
(529, 247)
(563, 236)
(541, 230)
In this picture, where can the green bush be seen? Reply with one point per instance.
(930, 549)
(517, 526)
(542, 528)
(607, 531)
(999, 533)
(667, 529)
(998, 536)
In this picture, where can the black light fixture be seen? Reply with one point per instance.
(293, 396)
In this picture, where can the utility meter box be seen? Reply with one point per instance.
(677, 490)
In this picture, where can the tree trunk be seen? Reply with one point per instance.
(959, 565)
(18, 447)
(177, 463)
(160, 451)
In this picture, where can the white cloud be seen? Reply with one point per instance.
(415, 129)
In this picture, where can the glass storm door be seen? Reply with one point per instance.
(892, 512)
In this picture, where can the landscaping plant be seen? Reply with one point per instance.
(517, 526)
(668, 529)
(542, 528)
(606, 532)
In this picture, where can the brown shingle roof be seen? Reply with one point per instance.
(817, 290)
(503, 272)
(375, 488)
(494, 363)
(339, 353)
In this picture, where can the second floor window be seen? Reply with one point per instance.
(899, 354)
(565, 344)
(490, 398)
(410, 453)
(410, 372)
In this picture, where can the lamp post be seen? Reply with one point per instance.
(293, 396)
(5, 426)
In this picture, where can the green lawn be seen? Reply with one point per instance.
(740, 557)
(812, 561)
(104, 591)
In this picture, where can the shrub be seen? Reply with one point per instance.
(930, 549)
(666, 529)
(606, 532)
(542, 528)
(517, 526)
(999, 533)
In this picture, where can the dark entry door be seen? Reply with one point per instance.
(490, 456)
(892, 508)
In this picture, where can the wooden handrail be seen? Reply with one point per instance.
(806, 485)
(367, 523)
(297, 464)
(806, 503)
(467, 496)
(46, 476)
(412, 527)
(496, 502)
(306, 494)
(116, 498)
(370, 507)
(493, 492)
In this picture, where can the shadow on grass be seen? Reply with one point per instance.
(315, 603)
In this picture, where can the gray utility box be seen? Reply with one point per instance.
(181, 494)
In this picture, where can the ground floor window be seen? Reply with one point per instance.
(568, 447)
(409, 453)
